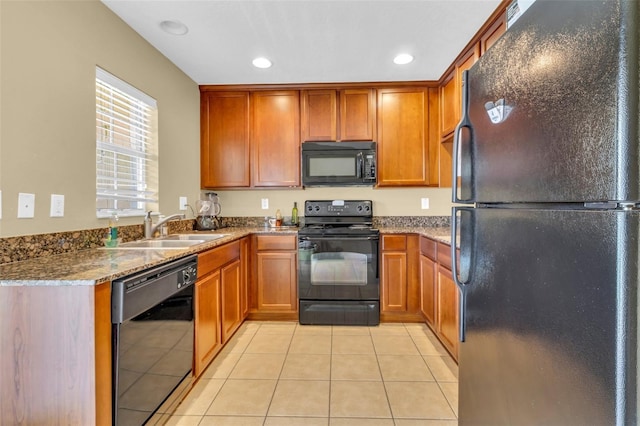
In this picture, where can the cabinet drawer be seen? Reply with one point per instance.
(444, 255)
(217, 257)
(394, 243)
(276, 242)
(428, 247)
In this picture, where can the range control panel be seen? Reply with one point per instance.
(362, 208)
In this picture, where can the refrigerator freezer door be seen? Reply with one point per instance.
(551, 318)
(554, 107)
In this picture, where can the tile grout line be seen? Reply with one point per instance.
(286, 355)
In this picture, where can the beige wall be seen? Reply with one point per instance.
(386, 202)
(48, 54)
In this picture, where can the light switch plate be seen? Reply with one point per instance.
(265, 203)
(57, 205)
(0, 204)
(183, 203)
(26, 205)
(424, 202)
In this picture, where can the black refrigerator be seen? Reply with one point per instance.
(547, 162)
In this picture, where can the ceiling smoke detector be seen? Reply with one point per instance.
(174, 27)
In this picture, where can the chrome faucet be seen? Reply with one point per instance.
(150, 229)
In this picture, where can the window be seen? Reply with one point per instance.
(126, 148)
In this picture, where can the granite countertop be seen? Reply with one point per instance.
(93, 266)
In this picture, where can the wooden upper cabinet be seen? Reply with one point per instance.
(448, 105)
(357, 114)
(463, 64)
(319, 115)
(493, 33)
(403, 145)
(224, 139)
(330, 115)
(451, 92)
(275, 138)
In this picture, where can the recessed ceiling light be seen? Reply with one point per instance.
(174, 27)
(261, 62)
(402, 59)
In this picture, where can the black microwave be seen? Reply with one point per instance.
(338, 163)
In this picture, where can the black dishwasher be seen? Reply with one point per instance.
(152, 338)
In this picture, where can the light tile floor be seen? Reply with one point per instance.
(275, 373)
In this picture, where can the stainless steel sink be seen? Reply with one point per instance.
(159, 244)
(192, 237)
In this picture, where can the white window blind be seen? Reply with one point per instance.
(126, 148)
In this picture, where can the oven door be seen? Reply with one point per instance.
(338, 268)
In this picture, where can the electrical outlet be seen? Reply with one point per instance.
(265, 204)
(26, 205)
(57, 206)
(424, 203)
(183, 203)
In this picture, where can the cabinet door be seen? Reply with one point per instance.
(357, 114)
(277, 281)
(319, 115)
(275, 138)
(448, 316)
(403, 146)
(428, 289)
(448, 105)
(231, 299)
(224, 139)
(464, 63)
(394, 282)
(493, 33)
(244, 277)
(208, 340)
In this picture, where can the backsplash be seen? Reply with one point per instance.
(15, 249)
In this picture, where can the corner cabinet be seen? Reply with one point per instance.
(275, 138)
(403, 137)
(439, 295)
(399, 287)
(224, 140)
(274, 291)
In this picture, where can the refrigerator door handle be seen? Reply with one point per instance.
(468, 244)
(464, 123)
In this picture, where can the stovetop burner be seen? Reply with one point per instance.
(344, 217)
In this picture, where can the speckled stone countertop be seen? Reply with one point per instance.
(93, 266)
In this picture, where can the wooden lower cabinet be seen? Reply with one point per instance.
(218, 301)
(208, 338)
(245, 269)
(448, 311)
(439, 295)
(394, 277)
(231, 298)
(428, 289)
(55, 356)
(275, 278)
(399, 278)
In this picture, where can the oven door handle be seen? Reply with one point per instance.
(343, 237)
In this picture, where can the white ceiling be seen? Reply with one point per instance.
(308, 40)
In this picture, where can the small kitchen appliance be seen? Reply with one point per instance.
(208, 210)
(338, 265)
